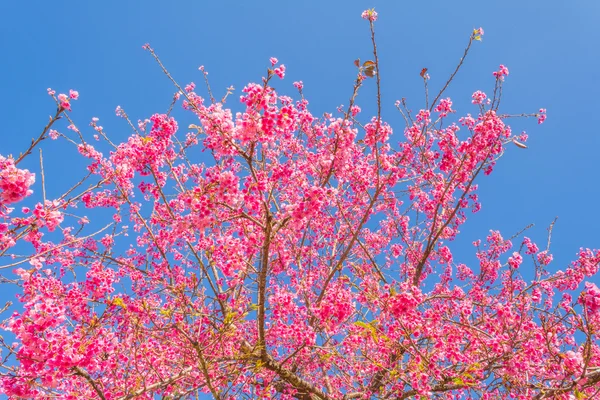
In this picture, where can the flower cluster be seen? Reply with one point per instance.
(479, 97)
(501, 73)
(15, 183)
(369, 15)
(269, 252)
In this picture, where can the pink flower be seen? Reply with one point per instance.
(190, 87)
(444, 107)
(54, 219)
(64, 101)
(477, 34)
(591, 298)
(53, 134)
(542, 116)
(14, 182)
(523, 137)
(73, 94)
(299, 85)
(501, 73)
(273, 61)
(531, 247)
(280, 71)
(573, 361)
(369, 15)
(478, 97)
(544, 258)
(515, 260)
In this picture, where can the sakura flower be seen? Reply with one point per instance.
(591, 298)
(501, 73)
(14, 182)
(369, 15)
(542, 116)
(515, 260)
(478, 97)
(280, 71)
(444, 107)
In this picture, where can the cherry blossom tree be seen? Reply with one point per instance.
(303, 257)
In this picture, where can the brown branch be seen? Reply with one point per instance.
(437, 388)
(592, 380)
(262, 285)
(91, 381)
(433, 240)
(291, 378)
(350, 245)
(157, 385)
(34, 142)
(268, 362)
(460, 63)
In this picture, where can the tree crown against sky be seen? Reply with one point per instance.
(308, 257)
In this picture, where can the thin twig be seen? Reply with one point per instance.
(460, 63)
(42, 135)
(55, 248)
(550, 233)
(43, 177)
(92, 382)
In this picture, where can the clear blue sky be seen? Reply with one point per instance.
(549, 46)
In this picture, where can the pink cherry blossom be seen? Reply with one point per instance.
(370, 15)
(266, 250)
(478, 97)
(14, 182)
(591, 298)
(280, 71)
(501, 73)
(542, 116)
(444, 107)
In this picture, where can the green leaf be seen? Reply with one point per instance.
(369, 327)
(458, 381)
(165, 312)
(363, 324)
(117, 301)
(229, 317)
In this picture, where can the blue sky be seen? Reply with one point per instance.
(549, 46)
